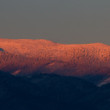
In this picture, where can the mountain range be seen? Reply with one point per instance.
(27, 56)
(51, 92)
(41, 74)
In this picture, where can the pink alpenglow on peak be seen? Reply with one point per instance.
(26, 56)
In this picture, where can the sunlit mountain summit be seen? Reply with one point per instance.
(27, 56)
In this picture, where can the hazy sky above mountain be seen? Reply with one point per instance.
(63, 21)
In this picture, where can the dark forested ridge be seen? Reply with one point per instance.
(51, 92)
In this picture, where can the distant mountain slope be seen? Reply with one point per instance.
(26, 56)
(51, 92)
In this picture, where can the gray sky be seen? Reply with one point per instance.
(63, 21)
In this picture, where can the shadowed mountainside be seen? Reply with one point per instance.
(26, 56)
(51, 92)
(48, 92)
